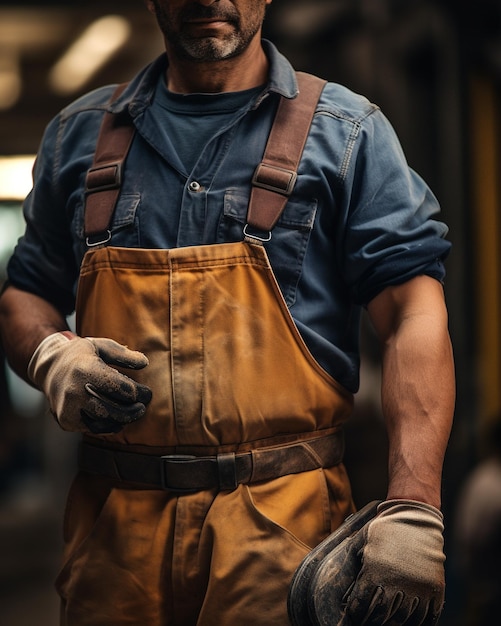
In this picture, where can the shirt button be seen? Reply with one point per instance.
(194, 186)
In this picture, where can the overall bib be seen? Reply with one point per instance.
(236, 393)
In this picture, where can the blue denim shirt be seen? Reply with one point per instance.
(359, 218)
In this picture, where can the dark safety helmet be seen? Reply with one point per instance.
(326, 574)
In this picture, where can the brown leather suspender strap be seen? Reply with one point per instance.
(273, 179)
(275, 176)
(102, 185)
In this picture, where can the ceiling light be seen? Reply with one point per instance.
(304, 19)
(15, 177)
(89, 53)
(10, 80)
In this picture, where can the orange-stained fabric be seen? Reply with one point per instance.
(229, 371)
(227, 364)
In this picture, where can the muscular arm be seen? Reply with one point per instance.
(418, 389)
(25, 319)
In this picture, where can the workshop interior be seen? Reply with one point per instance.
(433, 67)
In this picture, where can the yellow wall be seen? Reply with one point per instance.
(486, 187)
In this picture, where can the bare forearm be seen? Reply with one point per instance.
(418, 404)
(418, 392)
(25, 319)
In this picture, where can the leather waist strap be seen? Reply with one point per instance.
(224, 472)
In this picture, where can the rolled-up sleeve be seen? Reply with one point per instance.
(391, 234)
(42, 262)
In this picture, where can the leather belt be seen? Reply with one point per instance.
(185, 473)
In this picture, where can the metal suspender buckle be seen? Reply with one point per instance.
(104, 177)
(98, 239)
(273, 178)
(256, 236)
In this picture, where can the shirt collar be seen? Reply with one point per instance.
(282, 78)
(139, 92)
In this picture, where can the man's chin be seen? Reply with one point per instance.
(207, 49)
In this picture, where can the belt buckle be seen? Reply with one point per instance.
(179, 459)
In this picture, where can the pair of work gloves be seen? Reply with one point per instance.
(402, 576)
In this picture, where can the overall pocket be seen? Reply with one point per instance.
(114, 553)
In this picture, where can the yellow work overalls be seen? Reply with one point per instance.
(230, 373)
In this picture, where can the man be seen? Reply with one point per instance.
(477, 536)
(230, 368)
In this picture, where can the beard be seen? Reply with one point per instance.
(209, 48)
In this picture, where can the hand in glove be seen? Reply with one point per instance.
(84, 390)
(402, 575)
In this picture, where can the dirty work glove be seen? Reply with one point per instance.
(402, 576)
(84, 392)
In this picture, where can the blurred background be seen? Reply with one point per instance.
(434, 67)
